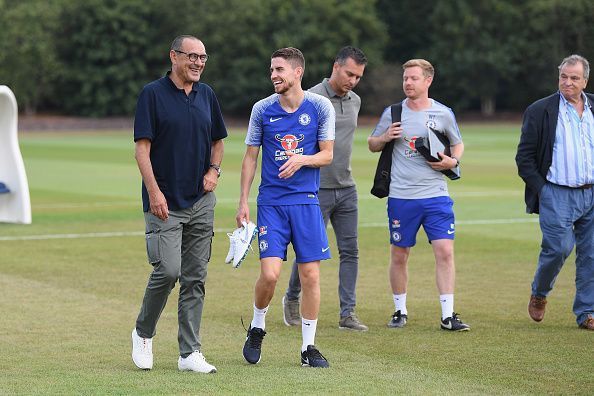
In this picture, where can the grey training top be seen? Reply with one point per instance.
(338, 173)
(412, 177)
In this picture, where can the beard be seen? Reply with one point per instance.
(283, 88)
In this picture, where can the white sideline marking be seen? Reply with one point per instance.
(467, 222)
(86, 205)
(252, 200)
(140, 233)
(78, 236)
(367, 196)
(466, 194)
(498, 221)
(71, 236)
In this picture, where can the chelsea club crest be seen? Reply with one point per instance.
(431, 124)
(304, 119)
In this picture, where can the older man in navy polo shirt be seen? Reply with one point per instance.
(178, 130)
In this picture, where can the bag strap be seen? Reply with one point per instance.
(396, 110)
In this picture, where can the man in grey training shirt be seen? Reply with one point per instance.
(418, 191)
(338, 194)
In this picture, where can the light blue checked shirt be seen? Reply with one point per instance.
(573, 152)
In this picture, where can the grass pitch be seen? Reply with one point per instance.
(72, 283)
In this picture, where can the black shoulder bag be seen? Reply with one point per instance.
(381, 181)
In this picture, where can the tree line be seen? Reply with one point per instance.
(92, 57)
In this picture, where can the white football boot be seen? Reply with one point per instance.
(246, 235)
(232, 238)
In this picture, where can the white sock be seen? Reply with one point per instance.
(308, 332)
(400, 303)
(259, 319)
(447, 305)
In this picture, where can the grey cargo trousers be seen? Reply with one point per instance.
(178, 248)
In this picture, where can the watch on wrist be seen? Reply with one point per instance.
(217, 168)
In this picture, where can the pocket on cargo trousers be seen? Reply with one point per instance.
(153, 247)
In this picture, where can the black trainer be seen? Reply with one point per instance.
(453, 323)
(252, 349)
(398, 320)
(311, 357)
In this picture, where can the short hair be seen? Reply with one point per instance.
(291, 55)
(350, 52)
(428, 70)
(177, 42)
(573, 60)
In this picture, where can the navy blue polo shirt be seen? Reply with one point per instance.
(181, 129)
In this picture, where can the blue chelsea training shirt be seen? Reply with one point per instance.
(278, 132)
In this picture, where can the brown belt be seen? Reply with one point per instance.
(584, 187)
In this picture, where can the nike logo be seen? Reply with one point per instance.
(307, 324)
(324, 250)
(450, 232)
(275, 119)
(448, 325)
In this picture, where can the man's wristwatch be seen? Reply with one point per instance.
(217, 168)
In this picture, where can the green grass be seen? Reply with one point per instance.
(67, 305)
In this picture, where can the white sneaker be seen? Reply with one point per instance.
(142, 351)
(245, 236)
(195, 362)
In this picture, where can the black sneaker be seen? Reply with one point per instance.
(453, 323)
(398, 320)
(252, 349)
(311, 357)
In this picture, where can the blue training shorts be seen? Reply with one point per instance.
(405, 217)
(300, 225)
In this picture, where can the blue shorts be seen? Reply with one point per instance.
(406, 216)
(300, 225)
